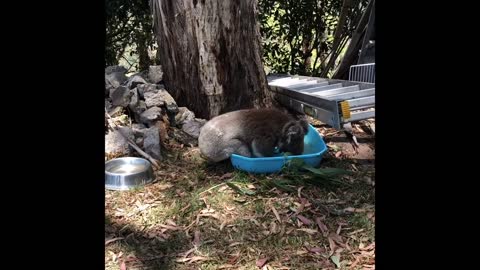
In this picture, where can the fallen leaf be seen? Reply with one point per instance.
(304, 220)
(300, 192)
(301, 252)
(261, 262)
(198, 258)
(182, 260)
(173, 228)
(223, 266)
(196, 238)
(163, 186)
(321, 225)
(171, 222)
(335, 237)
(223, 225)
(354, 210)
(338, 154)
(315, 249)
(276, 213)
(123, 266)
(336, 260)
(369, 247)
(332, 246)
(225, 176)
(309, 231)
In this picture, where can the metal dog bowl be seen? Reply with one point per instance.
(127, 172)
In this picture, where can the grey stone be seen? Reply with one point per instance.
(153, 99)
(134, 81)
(151, 142)
(139, 142)
(116, 144)
(120, 96)
(144, 88)
(184, 114)
(138, 129)
(150, 115)
(155, 74)
(192, 127)
(133, 99)
(108, 105)
(114, 79)
(111, 69)
(138, 110)
(160, 97)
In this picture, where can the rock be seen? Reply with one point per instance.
(144, 88)
(184, 114)
(139, 142)
(153, 99)
(108, 105)
(133, 99)
(159, 98)
(150, 115)
(138, 110)
(115, 79)
(138, 129)
(151, 142)
(182, 137)
(155, 74)
(120, 96)
(134, 81)
(192, 127)
(169, 101)
(111, 69)
(116, 144)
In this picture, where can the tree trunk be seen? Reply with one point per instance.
(143, 57)
(351, 55)
(369, 32)
(337, 36)
(210, 54)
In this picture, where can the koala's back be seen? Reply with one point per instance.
(219, 136)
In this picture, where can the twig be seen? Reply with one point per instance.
(130, 142)
(113, 240)
(211, 188)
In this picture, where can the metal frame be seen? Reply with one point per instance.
(362, 73)
(334, 102)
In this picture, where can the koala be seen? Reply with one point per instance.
(252, 133)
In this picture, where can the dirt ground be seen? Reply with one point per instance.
(191, 219)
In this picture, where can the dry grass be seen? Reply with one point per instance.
(189, 219)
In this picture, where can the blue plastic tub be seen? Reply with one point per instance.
(312, 155)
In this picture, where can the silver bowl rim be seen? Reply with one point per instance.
(148, 165)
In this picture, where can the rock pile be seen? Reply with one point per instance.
(145, 112)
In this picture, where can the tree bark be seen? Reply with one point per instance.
(337, 36)
(210, 54)
(351, 55)
(368, 36)
(143, 57)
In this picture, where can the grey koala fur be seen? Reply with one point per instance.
(251, 133)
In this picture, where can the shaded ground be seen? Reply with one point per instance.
(190, 219)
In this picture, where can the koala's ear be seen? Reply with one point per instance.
(304, 123)
(291, 130)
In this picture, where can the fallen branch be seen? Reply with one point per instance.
(113, 126)
(113, 240)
